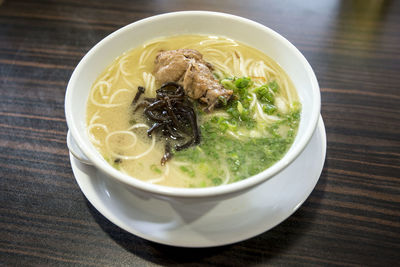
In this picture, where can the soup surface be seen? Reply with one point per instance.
(239, 137)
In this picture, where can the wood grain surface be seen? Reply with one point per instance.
(352, 218)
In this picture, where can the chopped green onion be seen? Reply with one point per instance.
(155, 169)
(265, 94)
(188, 170)
(273, 86)
(242, 82)
(216, 181)
(228, 84)
(269, 109)
(240, 107)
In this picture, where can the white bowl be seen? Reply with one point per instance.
(189, 22)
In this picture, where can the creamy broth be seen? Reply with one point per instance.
(119, 133)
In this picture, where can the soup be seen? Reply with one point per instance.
(241, 131)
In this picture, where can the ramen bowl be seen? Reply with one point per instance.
(185, 23)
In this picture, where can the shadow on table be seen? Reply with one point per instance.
(260, 249)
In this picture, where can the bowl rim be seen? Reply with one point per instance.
(238, 186)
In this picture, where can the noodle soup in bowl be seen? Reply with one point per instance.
(263, 94)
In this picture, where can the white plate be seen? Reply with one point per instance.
(209, 224)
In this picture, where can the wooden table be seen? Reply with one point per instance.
(351, 218)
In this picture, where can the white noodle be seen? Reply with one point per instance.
(138, 125)
(209, 51)
(117, 93)
(253, 101)
(145, 56)
(155, 42)
(235, 60)
(129, 133)
(100, 85)
(288, 94)
(94, 117)
(222, 67)
(268, 69)
(117, 75)
(245, 66)
(153, 140)
(142, 56)
(91, 136)
(149, 82)
(92, 92)
(242, 70)
(265, 117)
(121, 68)
(219, 42)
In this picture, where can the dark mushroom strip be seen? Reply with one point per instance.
(142, 104)
(172, 114)
(139, 92)
(173, 132)
(152, 111)
(156, 105)
(167, 154)
(196, 136)
(185, 145)
(155, 126)
(195, 129)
